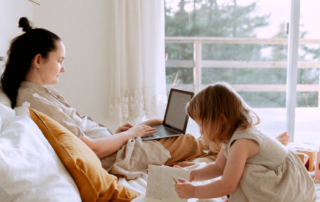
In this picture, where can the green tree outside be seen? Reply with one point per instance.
(208, 18)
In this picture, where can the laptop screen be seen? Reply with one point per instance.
(176, 113)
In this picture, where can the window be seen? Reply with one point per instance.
(244, 43)
(307, 117)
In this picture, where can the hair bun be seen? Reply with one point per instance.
(25, 24)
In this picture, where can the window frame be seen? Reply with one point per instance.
(292, 67)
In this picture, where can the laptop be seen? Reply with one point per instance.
(175, 119)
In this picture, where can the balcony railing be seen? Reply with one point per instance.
(197, 63)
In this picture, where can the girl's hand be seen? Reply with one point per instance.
(184, 190)
(185, 164)
(123, 128)
(192, 172)
(141, 131)
(192, 176)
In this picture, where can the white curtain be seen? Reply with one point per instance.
(137, 62)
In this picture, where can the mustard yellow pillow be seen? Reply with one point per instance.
(94, 183)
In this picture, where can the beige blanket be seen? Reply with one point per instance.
(132, 159)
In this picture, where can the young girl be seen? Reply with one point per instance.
(254, 166)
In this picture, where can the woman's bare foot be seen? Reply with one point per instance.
(284, 138)
(185, 164)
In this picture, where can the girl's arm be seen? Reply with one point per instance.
(238, 154)
(210, 171)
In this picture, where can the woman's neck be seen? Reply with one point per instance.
(34, 78)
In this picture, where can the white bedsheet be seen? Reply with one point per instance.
(139, 185)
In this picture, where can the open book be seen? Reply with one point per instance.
(160, 186)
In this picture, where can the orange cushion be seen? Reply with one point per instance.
(94, 183)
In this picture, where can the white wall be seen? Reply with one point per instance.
(10, 13)
(83, 28)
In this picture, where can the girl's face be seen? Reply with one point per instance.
(199, 122)
(52, 66)
(205, 131)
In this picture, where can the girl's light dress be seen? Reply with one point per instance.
(275, 174)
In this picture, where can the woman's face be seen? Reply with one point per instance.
(52, 66)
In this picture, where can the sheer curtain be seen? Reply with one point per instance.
(136, 61)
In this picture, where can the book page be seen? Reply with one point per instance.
(161, 185)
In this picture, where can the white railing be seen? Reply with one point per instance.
(197, 63)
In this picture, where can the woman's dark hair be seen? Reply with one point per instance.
(22, 50)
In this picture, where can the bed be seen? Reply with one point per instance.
(25, 179)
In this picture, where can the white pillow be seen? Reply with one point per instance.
(4, 99)
(6, 111)
(30, 170)
(23, 110)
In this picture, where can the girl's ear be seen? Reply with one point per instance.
(37, 61)
(223, 119)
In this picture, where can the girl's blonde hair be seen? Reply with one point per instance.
(222, 111)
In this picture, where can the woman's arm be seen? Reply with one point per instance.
(238, 154)
(212, 170)
(102, 146)
(106, 146)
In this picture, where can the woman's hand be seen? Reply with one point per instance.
(123, 128)
(141, 131)
(184, 189)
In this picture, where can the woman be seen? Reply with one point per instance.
(35, 61)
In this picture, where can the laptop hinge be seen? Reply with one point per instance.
(172, 128)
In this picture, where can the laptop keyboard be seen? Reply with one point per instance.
(162, 132)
